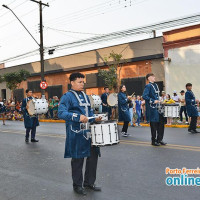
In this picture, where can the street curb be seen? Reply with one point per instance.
(119, 123)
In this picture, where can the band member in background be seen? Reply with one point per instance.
(105, 106)
(157, 120)
(191, 108)
(75, 109)
(30, 122)
(183, 107)
(123, 109)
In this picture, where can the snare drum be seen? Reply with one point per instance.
(95, 101)
(104, 116)
(104, 133)
(171, 110)
(37, 106)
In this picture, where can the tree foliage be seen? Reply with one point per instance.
(111, 76)
(13, 79)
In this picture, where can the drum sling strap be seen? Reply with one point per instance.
(86, 108)
(158, 106)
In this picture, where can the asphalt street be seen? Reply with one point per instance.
(130, 170)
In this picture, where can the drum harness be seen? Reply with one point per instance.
(195, 105)
(83, 126)
(159, 106)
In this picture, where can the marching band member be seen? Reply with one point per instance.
(123, 109)
(75, 109)
(191, 108)
(157, 121)
(105, 107)
(30, 122)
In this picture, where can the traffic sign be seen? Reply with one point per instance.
(43, 85)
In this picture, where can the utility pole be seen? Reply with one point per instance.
(41, 42)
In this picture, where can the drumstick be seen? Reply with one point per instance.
(93, 117)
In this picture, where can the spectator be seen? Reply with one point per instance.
(183, 107)
(175, 97)
(55, 108)
(163, 96)
(131, 107)
(169, 119)
(51, 104)
(138, 106)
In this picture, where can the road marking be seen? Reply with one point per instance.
(168, 146)
(126, 142)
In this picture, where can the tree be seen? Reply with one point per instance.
(112, 76)
(13, 79)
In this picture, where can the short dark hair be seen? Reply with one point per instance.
(148, 75)
(106, 87)
(76, 75)
(120, 87)
(188, 85)
(27, 91)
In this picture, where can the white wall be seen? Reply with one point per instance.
(183, 68)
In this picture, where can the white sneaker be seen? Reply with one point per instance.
(136, 124)
(122, 133)
(187, 122)
(125, 135)
(180, 122)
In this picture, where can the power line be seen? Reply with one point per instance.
(135, 31)
(84, 33)
(127, 33)
(106, 8)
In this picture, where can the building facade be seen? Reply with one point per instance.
(140, 58)
(182, 59)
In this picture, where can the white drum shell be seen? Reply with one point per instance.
(172, 111)
(95, 101)
(37, 106)
(112, 99)
(104, 134)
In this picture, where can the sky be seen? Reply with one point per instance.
(66, 21)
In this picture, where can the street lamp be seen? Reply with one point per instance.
(41, 41)
(22, 24)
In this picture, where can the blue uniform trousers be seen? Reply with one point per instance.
(90, 169)
(33, 129)
(157, 129)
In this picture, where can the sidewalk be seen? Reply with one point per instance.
(119, 123)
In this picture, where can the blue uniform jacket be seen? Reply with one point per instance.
(105, 109)
(77, 144)
(190, 104)
(28, 121)
(123, 109)
(150, 94)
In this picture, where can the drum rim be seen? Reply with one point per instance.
(104, 122)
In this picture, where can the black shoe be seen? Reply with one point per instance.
(26, 140)
(162, 143)
(155, 144)
(79, 190)
(194, 131)
(34, 140)
(93, 187)
(189, 130)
